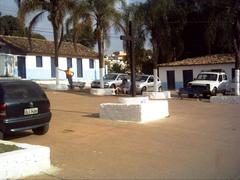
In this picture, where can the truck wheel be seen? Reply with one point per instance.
(144, 89)
(214, 91)
(41, 130)
(1, 135)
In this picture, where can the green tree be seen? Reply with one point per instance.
(9, 26)
(57, 10)
(156, 22)
(103, 13)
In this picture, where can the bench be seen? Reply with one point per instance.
(79, 85)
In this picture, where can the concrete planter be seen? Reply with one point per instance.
(225, 99)
(102, 92)
(30, 160)
(158, 95)
(139, 109)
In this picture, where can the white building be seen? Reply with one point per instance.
(37, 63)
(175, 75)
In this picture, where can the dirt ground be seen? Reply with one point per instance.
(198, 141)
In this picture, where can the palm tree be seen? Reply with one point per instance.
(57, 10)
(103, 13)
(156, 18)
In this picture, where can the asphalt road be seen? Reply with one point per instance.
(198, 141)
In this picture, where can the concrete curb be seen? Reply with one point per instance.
(225, 99)
(30, 160)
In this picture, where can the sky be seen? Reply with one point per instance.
(9, 7)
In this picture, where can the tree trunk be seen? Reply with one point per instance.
(237, 54)
(155, 61)
(100, 56)
(56, 54)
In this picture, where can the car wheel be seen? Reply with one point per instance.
(214, 91)
(144, 89)
(113, 86)
(41, 130)
(160, 88)
(1, 135)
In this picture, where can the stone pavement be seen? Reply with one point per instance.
(198, 141)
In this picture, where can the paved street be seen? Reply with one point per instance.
(199, 140)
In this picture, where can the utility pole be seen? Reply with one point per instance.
(237, 53)
(130, 40)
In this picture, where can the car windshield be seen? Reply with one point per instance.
(209, 77)
(22, 91)
(141, 78)
(110, 77)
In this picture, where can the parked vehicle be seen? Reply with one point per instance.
(23, 106)
(208, 83)
(146, 83)
(111, 80)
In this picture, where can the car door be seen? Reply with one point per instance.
(120, 79)
(223, 80)
(150, 83)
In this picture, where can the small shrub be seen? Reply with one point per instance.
(7, 148)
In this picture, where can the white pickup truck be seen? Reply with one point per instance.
(208, 83)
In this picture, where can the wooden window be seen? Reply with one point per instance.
(38, 61)
(79, 68)
(91, 63)
(69, 62)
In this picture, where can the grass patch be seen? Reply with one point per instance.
(7, 148)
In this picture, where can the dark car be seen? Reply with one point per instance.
(23, 106)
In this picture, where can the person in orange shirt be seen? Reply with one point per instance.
(69, 74)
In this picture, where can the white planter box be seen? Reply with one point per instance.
(30, 160)
(158, 95)
(102, 92)
(225, 99)
(138, 112)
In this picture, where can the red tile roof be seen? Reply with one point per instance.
(44, 47)
(204, 60)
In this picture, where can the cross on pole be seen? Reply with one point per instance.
(129, 38)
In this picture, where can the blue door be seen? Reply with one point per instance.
(21, 66)
(79, 68)
(53, 68)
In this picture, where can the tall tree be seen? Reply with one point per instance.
(57, 10)
(132, 13)
(156, 19)
(103, 13)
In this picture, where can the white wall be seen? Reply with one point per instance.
(196, 70)
(44, 72)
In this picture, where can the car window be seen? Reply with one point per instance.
(151, 79)
(141, 78)
(13, 92)
(110, 77)
(225, 77)
(121, 77)
(210, 77)
(220, 78)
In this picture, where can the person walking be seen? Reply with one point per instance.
(69, 74)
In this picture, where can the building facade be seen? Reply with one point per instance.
(177, 74)
(37, 62)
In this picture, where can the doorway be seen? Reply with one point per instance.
(171, 80)
(187, 77)
(21, 61)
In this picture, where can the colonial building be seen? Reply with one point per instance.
(177, 74)
(37, 63)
